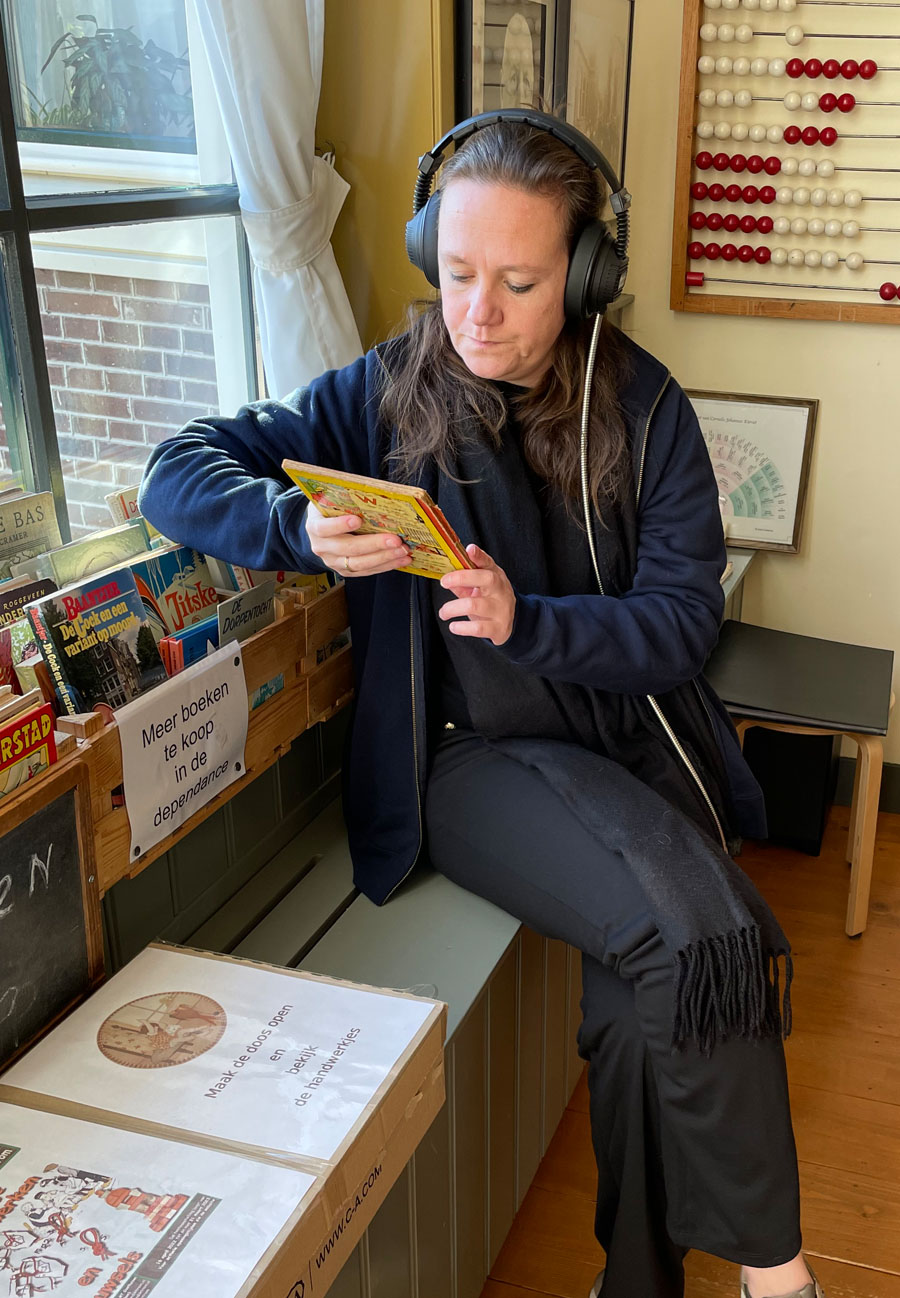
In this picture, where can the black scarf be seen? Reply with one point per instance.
(608, 756)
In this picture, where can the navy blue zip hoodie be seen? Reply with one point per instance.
(219, 486)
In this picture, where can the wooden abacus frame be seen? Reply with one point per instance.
(682, 299)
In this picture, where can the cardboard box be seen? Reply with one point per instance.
(338, 1082)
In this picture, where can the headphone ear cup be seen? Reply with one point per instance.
(421, 240)
(596, 273)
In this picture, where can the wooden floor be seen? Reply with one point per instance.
(844, 1064)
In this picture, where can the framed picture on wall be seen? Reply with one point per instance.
(507, 55)
(760, 449)
(598, 73)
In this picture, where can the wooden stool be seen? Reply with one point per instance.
(806, 686)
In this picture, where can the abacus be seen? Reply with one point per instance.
(787, 133)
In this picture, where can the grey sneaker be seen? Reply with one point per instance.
(598, 1285)
(811, 1290)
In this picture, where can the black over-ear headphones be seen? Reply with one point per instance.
(598, 264)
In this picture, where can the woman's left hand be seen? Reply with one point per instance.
(484, 596)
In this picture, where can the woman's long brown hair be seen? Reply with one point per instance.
(432, 398)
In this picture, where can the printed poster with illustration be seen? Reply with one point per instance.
(87, 1210)
(227, 1049)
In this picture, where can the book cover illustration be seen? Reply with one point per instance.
(227, 1049)
(176, 589)
(385, 507)
(89, 555)
(14, 595)
(27, 747)
(96, 640)
(28, 527)
(85, 1210)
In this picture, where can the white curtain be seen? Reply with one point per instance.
(266, 62)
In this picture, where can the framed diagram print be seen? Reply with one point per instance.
(506, 50)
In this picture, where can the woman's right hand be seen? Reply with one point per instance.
(334, 542)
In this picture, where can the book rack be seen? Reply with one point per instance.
(288, 655)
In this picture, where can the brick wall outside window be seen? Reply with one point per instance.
(130, 361)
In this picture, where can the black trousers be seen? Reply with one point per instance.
(692, 1151)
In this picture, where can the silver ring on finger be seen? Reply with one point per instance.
(347, 564)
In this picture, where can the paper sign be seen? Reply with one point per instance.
(182, 744)
(244, 614)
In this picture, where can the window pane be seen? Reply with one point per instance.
(118, 100)
(144, 330)
(15, 461)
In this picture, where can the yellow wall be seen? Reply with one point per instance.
(845, 583)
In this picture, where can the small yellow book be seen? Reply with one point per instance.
(408, 512)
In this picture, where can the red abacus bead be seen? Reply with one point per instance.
(696, 251)
(849, 69)
(831, 68)
(731, 222)
(828, 102)
(748, 224)
(697, 220)
(694, 279)
(773, 166)
(810, 134)
(765, 224)
(722, 162)
(715, 221)
(729, 252)
(751, 194)
(794, 68)
(767, 194)
(888, 292)
(868, 69)
(716, 193)
(792, 134)
(762, 255)
(828, 136)
(847, 103)
(713, 251)
(699, 189)
(745, 252)
(703, 161)
(734, 192)
(738, 162)
(755, 164)
(813, 67)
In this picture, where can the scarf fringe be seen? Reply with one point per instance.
(729, 986)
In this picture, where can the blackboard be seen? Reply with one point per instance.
(46, 941)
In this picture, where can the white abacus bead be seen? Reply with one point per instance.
(835, 198)
(819, 197)
(722, 130)
(767, 6)
(775, 134)
(781, 225)
(706, 64)
(713, 4)
(853, 198)
(777, 67)
(833, 229)
(830, 259)
(794, 35)
(787, 6)
(731, 4)
(806, 167)
(751, 4)
(850, 229)
(784, 196)
(760, 67)
(705, 130)
(743, 98)
(707, 98)
(725, 98)
(779, 256)
(816, 226)
(740, 131)
(743, 34)
(792, 101)
(724, 65)
(798, 225)
(810, 102)
(757, 133)
(796, 257)
(726, 33)
(855, 261)
(789, 166)
(709, 32)
(825, 168)
(741, 66)
(813, 257)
